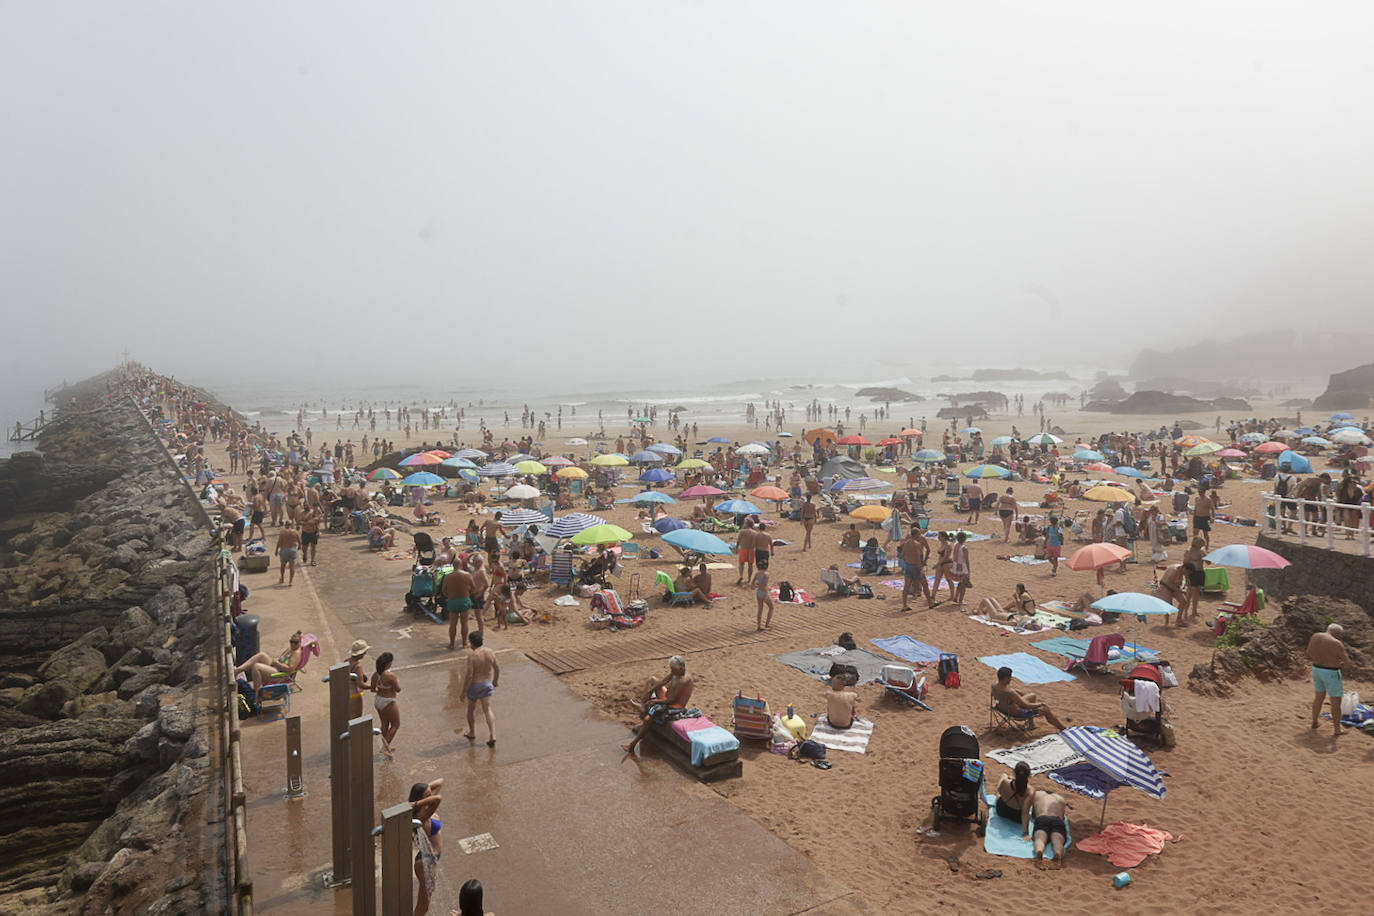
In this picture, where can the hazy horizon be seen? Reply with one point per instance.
(577, 194)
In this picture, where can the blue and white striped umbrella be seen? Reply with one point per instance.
(567, 525)
(663, 448)
(514, 518)
(1117, 757)
(470, 453)
(519, 457)
(497, 469)
(859, 483)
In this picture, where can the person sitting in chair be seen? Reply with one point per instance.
(837, 579)
(1020, 705)
(262, 666)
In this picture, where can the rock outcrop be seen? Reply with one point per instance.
(887, 394)
(1352, 389)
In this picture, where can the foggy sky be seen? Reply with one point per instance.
(736, 187)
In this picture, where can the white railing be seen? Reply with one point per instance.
(1316, 522)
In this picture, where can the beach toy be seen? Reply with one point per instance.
(794, 724)
(1121, 879)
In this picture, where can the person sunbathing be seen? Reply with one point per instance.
(1020, 603)
(1020, 705)
(841, 703)
(263, 666)
(1013, 793)
(664, 701)
(1049, 826)
(850, 540)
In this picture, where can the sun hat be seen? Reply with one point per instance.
(360, 647)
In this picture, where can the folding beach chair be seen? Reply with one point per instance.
(276, 690)
(752, 719)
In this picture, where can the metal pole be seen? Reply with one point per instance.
(340, 684)
(397, 861)
(361, 816)
(295, 780)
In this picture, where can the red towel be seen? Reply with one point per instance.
(1126, 845)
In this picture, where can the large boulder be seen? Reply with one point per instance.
(1352, 389)
(79, 665)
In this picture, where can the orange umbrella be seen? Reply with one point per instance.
(1099, 466)
(811, 435)
(908, 433)
(774, 493)
(1190, 441)
(1096, 556)
(890, 441)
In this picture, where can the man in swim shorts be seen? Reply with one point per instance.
(914, 551)
(288, 552)
(745, 552)
(457, 591)
(1327, 654)
(1020, 705)
(665, 701)
(480, 680)
(1049, 826)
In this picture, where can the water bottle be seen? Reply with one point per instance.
(1121, 879)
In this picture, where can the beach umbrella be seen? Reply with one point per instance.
(688, 464)
(821, 433)
(1190, 441)
(602, 534)
(1096, 556)
(575, 440)
(496, 469)
(871, 513)
(859, 483)
(1003, 440)
(519, 457)
(928, 456)
(702, 490)
(384, 474)
(1302, 431)
(753, 448)
(610, 460)
(515, 518)
(1253, 438)
(776, 494)
(458, 463)
(422, 479)
(667, 523)
(522, 491)
(468, 474)
(1087, 454)
(698, 541)
(784, 435)
(555, 461)
(419, 460)
(1342, 416)
(718, 439)
(1134, 603)
(1269, 448)
(531, 466)
(972, 430)
(1099, 467)
(663, 448)
(1126, 471)
(1117, 758)
(1294, 463)
(1246, 556)
(470, 453)
(737, 507)
(1317, 441)
(853, 439)
(652, 496)
(1230, 453)
(1044, 439)
(572, 473)
(987, 470)
(1350, 437)
(565, 526)
(656, 475)
(1109, 494)
(645, 457)
(910, 433)
(1202, 449)
(890, 440)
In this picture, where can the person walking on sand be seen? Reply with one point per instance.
(1006, 510)
(386, 685)
(960, 572)
(1327, 654)
(1054, 544)
(457, 589)
(974, 493)
(288, 552)
(480, 680)
(808, 520)
(762, 596)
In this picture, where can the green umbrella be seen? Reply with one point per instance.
(602, 534)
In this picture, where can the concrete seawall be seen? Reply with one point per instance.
(1316, 571)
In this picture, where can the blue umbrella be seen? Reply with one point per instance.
(859, 483)
(663, 448)
(1126, 471)
(1134, 603)
(644, 457)
(422, 479)
(656, 475)
(468, 474)
(1342, 416)
(1316, 440)
(567, 525)
(457, 463)
(928, 456)
(497, 469)
(1118, 758)
(1294, 463)
(1003, 440)
(1087, 454)
(738, 507)
(652, 496)
(1304, 430)
(699, 541)
(667, 524)
(987, 470)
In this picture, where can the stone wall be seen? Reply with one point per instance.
(1316, 571)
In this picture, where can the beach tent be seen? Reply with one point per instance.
(1294, 463)
(846, 468)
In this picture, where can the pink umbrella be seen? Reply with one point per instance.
(1230, 453)
(700, 489)
(1267, 448)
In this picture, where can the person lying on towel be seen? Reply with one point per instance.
(841, 703)
(1048, 810)
(665, 701)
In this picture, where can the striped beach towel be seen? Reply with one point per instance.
(854, 738)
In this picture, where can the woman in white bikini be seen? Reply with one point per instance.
(386, 686)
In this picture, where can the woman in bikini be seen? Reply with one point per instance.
(762, 596)
(943, 563)
(1197, 578)
(424, 807)
(960, 573)
(1014, 793)
(386, 686)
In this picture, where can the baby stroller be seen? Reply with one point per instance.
(421, 599)
(961, 777)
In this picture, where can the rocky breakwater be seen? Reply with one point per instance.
(106, 616)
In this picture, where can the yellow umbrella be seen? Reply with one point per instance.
(573, 473)
(688, 464)
(870, 513)
(531, 467)
(609, 461)
(1106, 494)
(1202, 448)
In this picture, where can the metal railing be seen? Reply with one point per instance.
(1317, 523)
(228, 738)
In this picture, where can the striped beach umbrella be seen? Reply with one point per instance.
(663, 448)
(1116, 757)
(859, 483)
(470, 453)
(496, 469)
(514, 518)
(566, 526)
(989, 470)
(384, 474)
(419, 460)
(928, 456)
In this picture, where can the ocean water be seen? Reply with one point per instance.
(19, 403)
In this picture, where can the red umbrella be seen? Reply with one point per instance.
(700, 489)
(890, 441)
(909, 433)
(1099, 466)
(853, 440)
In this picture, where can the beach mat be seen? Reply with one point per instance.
(1066, 646)
(855, 738)
(1026, 668)
(912, 650)
(817, 664)
(1041, 755)
(1004, 837)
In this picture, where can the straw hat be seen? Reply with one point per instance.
(360, 647)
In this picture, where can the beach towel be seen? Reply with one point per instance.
(1004, 837)
(1127, 845)
(970, 539)
(1051, 620)
(801, 596)
(1056, 606)
(1136, 652)
(1028, 504)
(1026, 668)
(1066, 646)
(684, 727)
(983, 618)
(1041, 755)
(709, 741)
(1027, 559)
(855, 738)
(905, 647)
(817, 664)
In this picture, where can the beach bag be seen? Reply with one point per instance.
(786, 592)
(1166, 734)
(248, 701)
(809, 750)
(863, 591)
(849, 672)
(948, 669)
(1166, 674)
(1350, 703)
(1282, 483)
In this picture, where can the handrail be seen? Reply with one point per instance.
(1315, 520)
(240, 886)
(22, 433)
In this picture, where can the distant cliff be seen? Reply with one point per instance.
(1255, 356)
(1351, 388)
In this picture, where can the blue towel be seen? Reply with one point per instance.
(711, 740)
(1026, 668)
(910, 649)
(1064, 645)
(1004, 837)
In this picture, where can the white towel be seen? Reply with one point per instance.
(1146, 696)
(855, 738)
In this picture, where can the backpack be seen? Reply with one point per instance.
(948, 669)
(809, 750)
(786, 592)
(1282, 483)
(248, 701)
(1128, 522)
(846, 642)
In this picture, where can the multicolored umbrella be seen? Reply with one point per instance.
(928, 456)
(987, 470)
(1045, 439)
(1202, 449)
(1246, 556)
(384, 474)
(420, 459)
(1190, 441)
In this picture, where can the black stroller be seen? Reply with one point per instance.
(960, 795)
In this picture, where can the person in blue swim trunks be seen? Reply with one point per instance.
(480, 679)
(1327, 654)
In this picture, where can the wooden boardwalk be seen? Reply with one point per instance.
(827, 620)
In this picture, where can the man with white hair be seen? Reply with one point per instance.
(1327, 654)
(665, 701)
